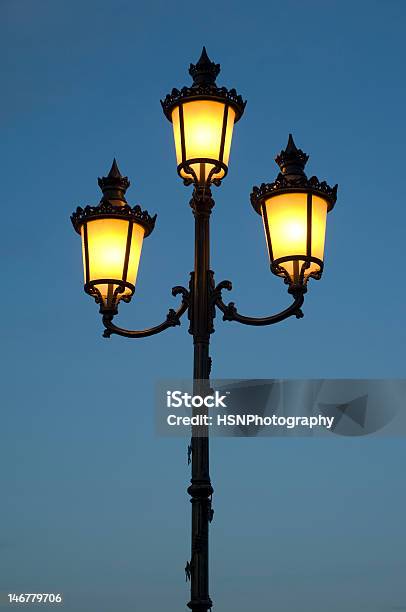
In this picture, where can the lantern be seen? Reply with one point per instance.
(294, 213)
(112, 237)
(203, 118)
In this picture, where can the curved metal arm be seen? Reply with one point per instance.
(230, 311)
(172, 319)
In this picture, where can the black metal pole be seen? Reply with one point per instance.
(201, 327)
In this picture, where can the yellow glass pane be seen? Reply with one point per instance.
(229, 134)
(203, 125)
(287, 220)
(107, 240)
(176, 134)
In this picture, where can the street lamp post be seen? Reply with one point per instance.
(293, 209)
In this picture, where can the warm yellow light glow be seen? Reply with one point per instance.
(203, 126)
(107, 240)
(287, 220)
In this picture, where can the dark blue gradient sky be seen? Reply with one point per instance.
(93, 504)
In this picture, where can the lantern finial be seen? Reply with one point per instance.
(292, 160)
(114, 171)
(114, 186)
(205, 71)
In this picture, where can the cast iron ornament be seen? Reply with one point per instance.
(113, 204)
(204, 74)
(292, 178)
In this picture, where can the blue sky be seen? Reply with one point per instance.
(93, 503)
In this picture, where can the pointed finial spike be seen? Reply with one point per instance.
(204, 72)
(291, 147)
(204, 58)
(114, 171)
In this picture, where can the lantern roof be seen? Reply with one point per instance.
(204, 87)
(113, 204)
(292, 178)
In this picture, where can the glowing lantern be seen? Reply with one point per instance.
(203, 118)
(112, 236)
(294, 212)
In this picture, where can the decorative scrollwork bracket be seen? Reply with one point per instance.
(230, 312)
(172, 319)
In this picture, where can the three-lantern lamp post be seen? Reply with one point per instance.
(294, 211)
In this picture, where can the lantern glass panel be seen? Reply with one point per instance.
(203, 128)
(107, 241)
(287, 221)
